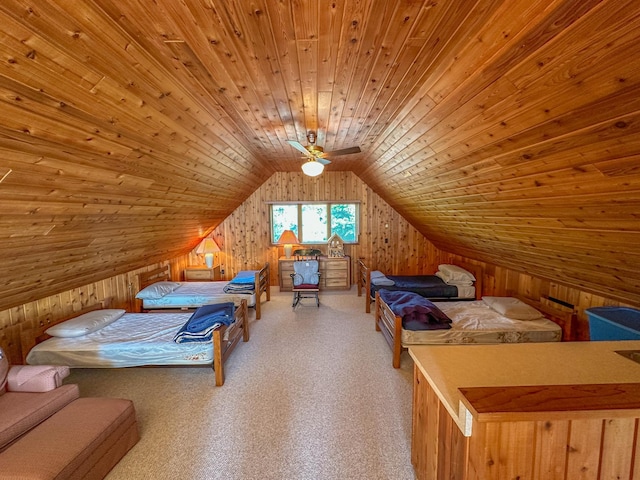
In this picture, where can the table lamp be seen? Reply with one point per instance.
(209, 247)
(288, 238)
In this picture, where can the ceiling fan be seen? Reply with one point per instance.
(316, 156)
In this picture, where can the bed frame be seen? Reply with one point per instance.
(364, 282)
(262, 284)
(222, 347)
(390, 324)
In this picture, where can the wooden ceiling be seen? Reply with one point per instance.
(504, 130)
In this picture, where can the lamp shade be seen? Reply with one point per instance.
(288, 238)
(312, 168)
(208, 247)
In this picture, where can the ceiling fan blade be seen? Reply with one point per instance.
(323, 161)
(299, 146)
(345, 151)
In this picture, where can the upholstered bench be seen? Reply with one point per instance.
(84, 440)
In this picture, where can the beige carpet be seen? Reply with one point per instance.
(312, 395)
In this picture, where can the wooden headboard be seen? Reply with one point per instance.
(563, 316)
(30, 336)
(160, 274)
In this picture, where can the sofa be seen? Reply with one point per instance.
(47, 431)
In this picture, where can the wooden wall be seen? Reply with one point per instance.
(120, 289)
(386, 238)
(244, 239)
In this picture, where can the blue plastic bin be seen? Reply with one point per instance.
(614, 323)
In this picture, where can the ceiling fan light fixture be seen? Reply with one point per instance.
(312, 168)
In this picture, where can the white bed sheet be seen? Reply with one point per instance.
(135, 339)
(196, 294)
(475, 322)
(466, 291)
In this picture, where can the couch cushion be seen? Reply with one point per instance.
(20, 412)
(82, 441)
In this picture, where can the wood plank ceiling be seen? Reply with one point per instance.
(504, 130)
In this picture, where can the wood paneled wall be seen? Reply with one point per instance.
(388, 242)
(120, 289)
(386, 238)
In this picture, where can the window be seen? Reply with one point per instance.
(316, 222)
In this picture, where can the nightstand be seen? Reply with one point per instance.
(202, 274)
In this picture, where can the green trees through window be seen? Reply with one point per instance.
(315, 222)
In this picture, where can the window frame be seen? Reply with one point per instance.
(300, 227)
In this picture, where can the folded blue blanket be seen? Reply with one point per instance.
(413, 306)
(200, 326)
(244, 277)
(238, 288)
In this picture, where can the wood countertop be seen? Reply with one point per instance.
(578, 378)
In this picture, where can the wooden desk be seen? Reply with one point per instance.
(335, 273)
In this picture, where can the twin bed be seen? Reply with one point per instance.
(162, 335)
(490, 320)
(100, 337)
(451, 282)
(158, 292)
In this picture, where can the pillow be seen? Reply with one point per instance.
(379, 278)
(85, 323)
(453, 273)
(200, 326)
(4, 370)
(36, 378)
(457, 283)
(157, 290)
(512, 308)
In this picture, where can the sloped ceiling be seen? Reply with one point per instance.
(504, 130)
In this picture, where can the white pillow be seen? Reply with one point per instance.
(85, 323)
(453, 273)
(157, 290)
(513, 308)
(457, 283)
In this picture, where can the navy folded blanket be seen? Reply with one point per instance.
(200, 326)
(415, 310)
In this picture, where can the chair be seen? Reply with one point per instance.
(306, 277)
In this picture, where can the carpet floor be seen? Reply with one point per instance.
(312, 395)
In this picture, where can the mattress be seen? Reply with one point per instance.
(428, 286)
(475, 322)
(196, 294)
(135, 339)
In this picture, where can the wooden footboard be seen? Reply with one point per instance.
(226, 338)
(262, 284)
(390, 325)
(364, 283)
